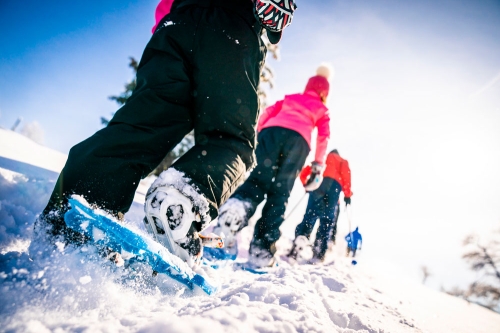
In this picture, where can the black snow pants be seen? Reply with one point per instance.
(323, 205)
(281, 154)
(335, 223)
(200, 71)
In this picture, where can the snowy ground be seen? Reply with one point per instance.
(72, 292)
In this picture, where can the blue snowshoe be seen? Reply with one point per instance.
(128, 243)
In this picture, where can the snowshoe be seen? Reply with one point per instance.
(123, 242)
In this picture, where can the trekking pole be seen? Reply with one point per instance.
(297, 205)
(348, 214)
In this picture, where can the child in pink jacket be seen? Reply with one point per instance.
(283, 145)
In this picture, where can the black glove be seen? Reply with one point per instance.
(347, 201)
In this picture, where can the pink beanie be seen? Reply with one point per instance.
(319, 83)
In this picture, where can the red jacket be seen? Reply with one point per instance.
(336, 168)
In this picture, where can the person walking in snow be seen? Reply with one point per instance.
(354, 242)
(200, 70)
(323, 205)
(283, 145)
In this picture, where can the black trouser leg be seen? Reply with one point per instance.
(335, 221)
(315, 209)
(283, 154)
(227, 59)
(183, 65)
(260, 181)
(326, 221)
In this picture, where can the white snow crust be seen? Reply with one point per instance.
(72, 290)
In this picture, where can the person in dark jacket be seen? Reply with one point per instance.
(200, 71)
(323, 205)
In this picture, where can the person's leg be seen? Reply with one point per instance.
(335, 221)
(235, 213)
(315, 209)
(225, 59)
(305, 227)
(107, 167)
(227, 56)
(257, 185)
(294, 152)
(327, 219)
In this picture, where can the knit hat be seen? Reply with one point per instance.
(319, 83)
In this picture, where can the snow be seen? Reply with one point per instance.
(73, 290)
(176, 179)
(28, 151)
(21, 199)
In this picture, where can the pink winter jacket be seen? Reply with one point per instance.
(162, 9)
(301, 113)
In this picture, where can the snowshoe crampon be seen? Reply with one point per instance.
(106, 232)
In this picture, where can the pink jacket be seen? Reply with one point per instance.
(301, 113)
(162, 9)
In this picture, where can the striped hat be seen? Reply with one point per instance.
(274, 15)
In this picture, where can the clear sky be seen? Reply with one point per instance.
(415, 104)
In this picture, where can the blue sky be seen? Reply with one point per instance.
(415, 103)
(64, 59)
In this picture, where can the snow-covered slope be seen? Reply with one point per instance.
(73, 292)
(16, 147)
(22, 155)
